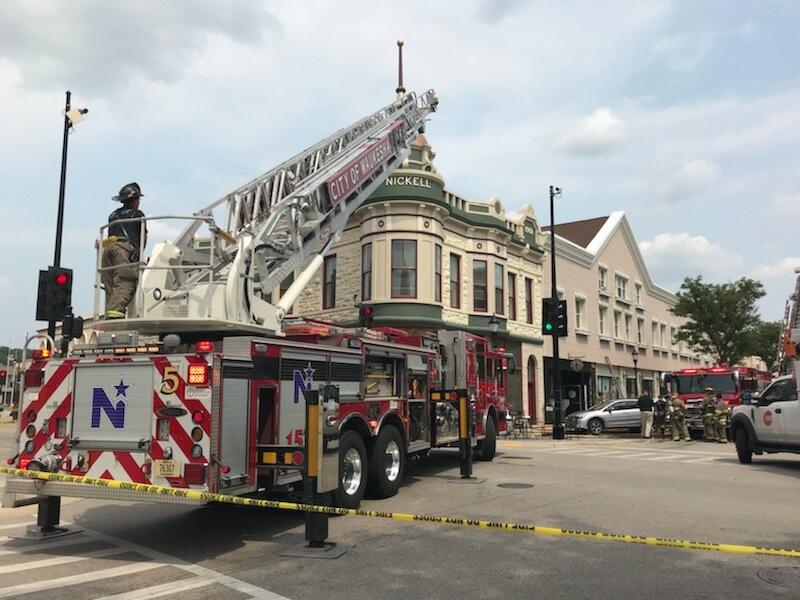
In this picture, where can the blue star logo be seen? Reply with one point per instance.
(121, 388)
(309, 372)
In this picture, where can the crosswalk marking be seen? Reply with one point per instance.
(164, 589)
(149, 559)
(59, 560)
(59, 582)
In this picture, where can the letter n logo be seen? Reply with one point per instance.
(115, 414)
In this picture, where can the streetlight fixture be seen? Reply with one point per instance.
(635, 357)
(72, 116)
(494, 327)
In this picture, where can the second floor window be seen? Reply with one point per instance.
(366, 272)
(639, 294)
(404, 269)
(512, 296)
(617, 318)
(628, 327)
(479, 294)
(455, 281)
(640, 331)
(603, 312)
(580, 306)
(437, 273)
(329, 282)
(499, 300)
(529, 300)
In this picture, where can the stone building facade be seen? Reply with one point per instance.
(614, 307)
(426, 258)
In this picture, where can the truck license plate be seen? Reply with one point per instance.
(167, 468)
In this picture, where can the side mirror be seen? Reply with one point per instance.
(746, 397)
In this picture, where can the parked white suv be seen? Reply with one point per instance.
(770, 422)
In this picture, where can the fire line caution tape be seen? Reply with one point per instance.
(645, 540)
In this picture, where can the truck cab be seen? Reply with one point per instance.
(769, 421)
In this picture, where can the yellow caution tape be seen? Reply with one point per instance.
(645, 540)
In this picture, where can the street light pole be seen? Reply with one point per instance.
(51, 325)
(635, 355)
(558, 429)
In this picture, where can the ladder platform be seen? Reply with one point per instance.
(182, 326)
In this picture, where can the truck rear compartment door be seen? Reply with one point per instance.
(235, 423)
(113, 406)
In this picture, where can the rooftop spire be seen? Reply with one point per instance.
(400, 89)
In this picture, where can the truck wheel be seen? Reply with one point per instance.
(596, 426)
(352, 471)
(387, 463)
(743, 449)
(488, 445)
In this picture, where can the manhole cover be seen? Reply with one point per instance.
(515, 486)
(788, 577)
(518, 457)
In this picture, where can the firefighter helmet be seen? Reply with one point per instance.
(129, 191)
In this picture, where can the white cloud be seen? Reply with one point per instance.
(98, 46)
(691, 178)
(671, 257)
(784, 268)
(785, 205)
(595, 134)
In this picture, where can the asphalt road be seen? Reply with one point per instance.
(680, 490)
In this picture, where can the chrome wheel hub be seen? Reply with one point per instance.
(392, 464)
(352, 472)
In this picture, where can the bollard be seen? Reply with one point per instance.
(464, 438)
(316, 523)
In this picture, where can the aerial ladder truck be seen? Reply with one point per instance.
(201, 388)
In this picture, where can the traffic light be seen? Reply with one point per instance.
(549, 316)
(55, 294)
(364, 315)
(2, 376)
(554, 317)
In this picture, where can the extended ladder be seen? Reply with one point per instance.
(263, 231)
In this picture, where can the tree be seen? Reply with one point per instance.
(765, 342)
(723, 317)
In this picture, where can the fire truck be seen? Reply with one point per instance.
(204, 384)
(690, 384)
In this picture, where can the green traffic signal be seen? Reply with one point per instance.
(548, 326)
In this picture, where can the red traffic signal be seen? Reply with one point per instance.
(55, 294)
(365, 315)
(62, 278)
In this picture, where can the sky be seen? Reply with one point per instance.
(686, 115)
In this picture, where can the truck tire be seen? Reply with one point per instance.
(386, 463)
(743, 449)
(596, 426)
(488, 445)
(352, 471)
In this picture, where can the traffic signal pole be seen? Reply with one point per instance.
(558, 429)
(51, 325)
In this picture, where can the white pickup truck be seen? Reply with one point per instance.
(770, 422)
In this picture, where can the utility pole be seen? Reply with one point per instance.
(558, 429)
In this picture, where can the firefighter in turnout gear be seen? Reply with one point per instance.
(122, 247)
(677, 413)
(721, 419)
(708, 410)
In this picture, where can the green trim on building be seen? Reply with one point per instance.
(435, 195)
(412, 314)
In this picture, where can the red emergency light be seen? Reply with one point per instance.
(204, 346)
(718, 370)
(41, 353)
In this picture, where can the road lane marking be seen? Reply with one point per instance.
(60, 582)
(59, 560)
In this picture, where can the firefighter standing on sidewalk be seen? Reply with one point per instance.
(677, 412)
(721, 419)
(708, 410)
(122, 247)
